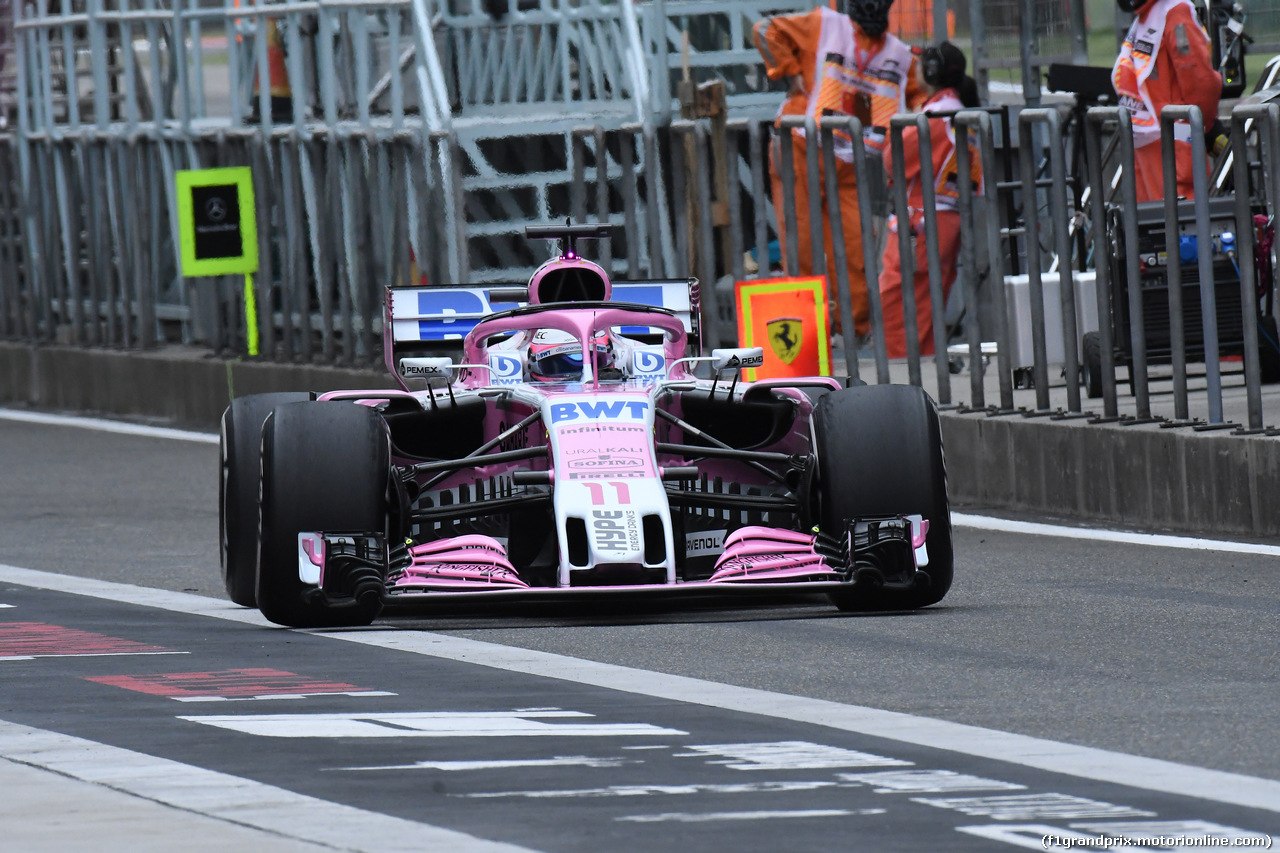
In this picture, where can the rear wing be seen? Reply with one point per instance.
(428, 320)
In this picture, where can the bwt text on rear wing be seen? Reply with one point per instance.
(448, 313)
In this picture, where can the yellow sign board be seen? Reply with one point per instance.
(790, 314)
(217, 229)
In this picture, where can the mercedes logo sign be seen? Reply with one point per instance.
(215, 209)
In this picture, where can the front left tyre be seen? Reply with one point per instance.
(326, 467)
(238, 486)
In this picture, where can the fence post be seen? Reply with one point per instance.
(839, 253)
(1244, 115)
(937, 301)
(1066, 276)
(813, 183)
(1094, 120)
(679, 192)
(604, 250)
(630, 225)
(760, 201)
(870, 253)
(906, 246)
(706, 239)
(964, 122)
(578, 189)
(658, 267)
(1031, 238)
(1169, 117)
(787, 175)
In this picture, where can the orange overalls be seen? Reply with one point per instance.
(845, 73)
(946, 195)
(1166, 59)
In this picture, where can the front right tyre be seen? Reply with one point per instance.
(879, 452)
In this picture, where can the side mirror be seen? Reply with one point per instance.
(738, 358)
(429, 369)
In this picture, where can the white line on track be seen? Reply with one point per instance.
(1005, 525)
(709, 817)
(980, 522)
(1082, 762)
(243, 802)
(103, 425)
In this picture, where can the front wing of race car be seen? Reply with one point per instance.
(755, 559)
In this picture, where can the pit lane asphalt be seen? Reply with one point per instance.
(1152, 652)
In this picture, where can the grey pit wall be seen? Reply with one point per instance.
(1209, 483)
(181, 386)
(1140, 476)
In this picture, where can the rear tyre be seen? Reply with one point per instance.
(879, 452)
(1268, 350)
(325, 467)
(1092, 359)
(238, 490)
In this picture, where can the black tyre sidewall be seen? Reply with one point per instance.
(1091, 349)
(241, 464)
(1268, 356)
(879, 451)
(326, 467)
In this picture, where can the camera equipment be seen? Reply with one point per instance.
(1224, 21)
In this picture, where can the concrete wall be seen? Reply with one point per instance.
(1141, 476)
(1212, 483)
(185, 387)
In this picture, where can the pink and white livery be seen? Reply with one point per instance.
(577, 445)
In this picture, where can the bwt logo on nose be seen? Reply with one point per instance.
(611, 410)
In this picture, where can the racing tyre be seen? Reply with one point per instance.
(1268, 350)
(238, 490)
(325, 467)
(1092, 363)
(879, 452)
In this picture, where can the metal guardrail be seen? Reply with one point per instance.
(1256, 190)
(96, 262)
(87, 255)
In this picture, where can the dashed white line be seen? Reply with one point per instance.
(710, 817)
(502, 764)
(231, 798)
(428, 724)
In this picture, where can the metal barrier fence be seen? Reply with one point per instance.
(88, 258)
(1140, 282)
(95, 262)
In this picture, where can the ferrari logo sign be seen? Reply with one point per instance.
(791, 313)
(786, 335)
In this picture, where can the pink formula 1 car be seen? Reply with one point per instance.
(581, 445)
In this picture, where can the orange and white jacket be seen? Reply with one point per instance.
(1166, 59)
(942, 138)
(838, 62)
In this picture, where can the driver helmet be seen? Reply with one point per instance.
(556, 356)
